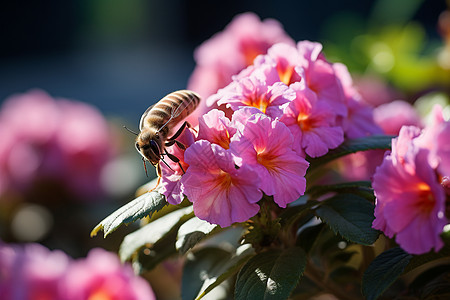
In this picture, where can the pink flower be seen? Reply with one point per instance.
(359, 121)
(392, 116)
(432, 139)
(215, 127)
(101, 275)
(266, 146)
(321, 77)
(254, 91)
(240, 117)
(170, 185)
(312, 123)
(285, 59)
(84, 140)
(360, 165)
(63, 142)
(221, 193)
(443, 149)
(31, 272)
(410, 201)
(375, 91)
(230, 51)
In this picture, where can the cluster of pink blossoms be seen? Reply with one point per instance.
(291, 103)
(34, 272)
(412, 186)
(230, 51)
(43, 141)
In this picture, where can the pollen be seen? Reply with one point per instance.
(268, 161)
(304, 122)
(285, 74)
(426, 201)
(224, 180)
(260, 102)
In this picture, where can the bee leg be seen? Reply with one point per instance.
(179, 144)
(167, 164)
(158, 172)
(190, 126)
(179, 131)
(145, 167)
(174, 159)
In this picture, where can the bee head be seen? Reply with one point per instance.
(150, 146)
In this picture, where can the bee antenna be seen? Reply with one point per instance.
(128, 129)
(145, 167)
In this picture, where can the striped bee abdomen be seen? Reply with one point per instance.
(170, 110)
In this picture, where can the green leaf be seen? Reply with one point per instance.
(146, 259)
(361, 188)
(308, 236)
(271, 275)
(383, 271)
(234, 265)
(191, 232)
(143, 206)
(201, 268)
(354, 145)
(351, 216)
(419, 260)
(152, 232)
(292, 214)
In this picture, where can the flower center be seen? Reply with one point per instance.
(260, 102)
(100, 294)
(224, 180)
(285, 74)
(268, 161)
(426, 200)
(223, 141)
(304, 122)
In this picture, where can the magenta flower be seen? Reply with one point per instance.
(375, 91)
(410, 204)
(431, 138)
(240, 117)
(221, 193)
(392, 116)
(312, 123)
(410, 201)
(215, 127)
(170, 185)
(266, 146)
(359, 121)
(101, 275)
(64, 142)
(31, 272)
(360, 165)
(254, 91)
(285, 59)
(230, 51)
(233, 49)
(321, 77)
(443, 149)
(84, 140)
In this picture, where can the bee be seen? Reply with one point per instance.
(157, 124)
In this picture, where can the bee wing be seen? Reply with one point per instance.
(144, 115)
(182, 106)
(188, 96)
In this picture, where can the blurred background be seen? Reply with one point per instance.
(122, 56)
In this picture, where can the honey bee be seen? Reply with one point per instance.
(157, 123)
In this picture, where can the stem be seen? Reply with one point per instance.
(330, 286)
